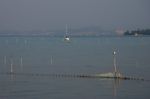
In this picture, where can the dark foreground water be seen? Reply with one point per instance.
(43, 55)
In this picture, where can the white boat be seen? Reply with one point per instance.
(67, 38)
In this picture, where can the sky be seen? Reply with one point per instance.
(29, 15)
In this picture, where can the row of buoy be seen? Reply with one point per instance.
(48, 75)
(133, 78)
(70, 76)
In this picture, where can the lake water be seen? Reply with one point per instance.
(82, 55)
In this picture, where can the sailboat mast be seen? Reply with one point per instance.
(66, 29)
(67, 36)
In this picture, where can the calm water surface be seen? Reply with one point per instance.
(80, 56)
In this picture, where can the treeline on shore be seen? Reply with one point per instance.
(138, 32)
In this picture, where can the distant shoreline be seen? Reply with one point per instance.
(1, 35)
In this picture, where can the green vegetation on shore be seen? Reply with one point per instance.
(138, 32)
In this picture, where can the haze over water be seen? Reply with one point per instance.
(83, 55)
(48, 15)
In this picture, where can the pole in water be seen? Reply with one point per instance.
(16, 40)
(51, 62)
(21, 62)
(25, 42)
(6, 42)
(11, 66)
(5, 60)
(115, 65)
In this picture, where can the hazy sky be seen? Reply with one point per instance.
(55, 14)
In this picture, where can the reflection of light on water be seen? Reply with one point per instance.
(116, 83)
(109, 75)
